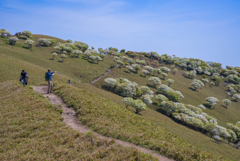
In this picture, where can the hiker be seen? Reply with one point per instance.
(23, 77)
(48, 78)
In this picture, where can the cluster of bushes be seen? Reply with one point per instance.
(3, 32)
(232, 89)
(196, 84)
(13, 39)
(26, 34)
(170, 93)
(135, 95)
(77, 48)
(94, 55)
(46, 42)
(195, 118)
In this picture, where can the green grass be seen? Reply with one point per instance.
(32, 129)
(111, 119)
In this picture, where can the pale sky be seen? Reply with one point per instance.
(208, 30)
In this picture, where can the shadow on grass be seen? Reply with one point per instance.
(127, 71)
(142, 76)
(25, 47)
(207, 106)
(60, 61)
(224, 106)
(92, 62)
(151, 86)
(192, 89)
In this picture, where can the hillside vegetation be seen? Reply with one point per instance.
(32, 129)
(110, 119)
(181, 104)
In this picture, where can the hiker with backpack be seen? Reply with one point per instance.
(24, 77)
(48, 78)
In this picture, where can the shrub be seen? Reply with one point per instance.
(63, 56)
(164, 89)
(81, 45)
(155, 81)
(139, 106)
(145, 72)
(160, 98)
(69, 41)
(13, 40)
(146, 99)
(54, 54)
(28, 34)
(202, 107)
(174, 71)
(119, 62)
(180, 94)
(226, 102)
(173, 96)
(195, 85)
(164, 75)
(212, 101)
(29, 42)
(236, 97)
(170, 81)
(169, 107)
(110, 82)
(128, 101)
(149, 69)
(130, 61)
(145, 90)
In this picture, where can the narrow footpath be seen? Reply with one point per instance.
(107, 72)
(70, 119)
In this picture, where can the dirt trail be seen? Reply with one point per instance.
(70, 119)
(108, 71)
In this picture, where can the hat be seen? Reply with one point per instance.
(23, 70)
(49, 69)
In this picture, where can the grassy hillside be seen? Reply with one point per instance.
(41, 57)
(223, 115)
(14, 58)
(110, 119)
(32, 129)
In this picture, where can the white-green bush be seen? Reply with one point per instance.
(155, 81)
(128, 101)
(13, 40)
(110, 82)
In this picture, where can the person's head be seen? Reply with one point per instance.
(23, 71)
(49, 70)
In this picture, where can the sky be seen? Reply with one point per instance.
(203, 29)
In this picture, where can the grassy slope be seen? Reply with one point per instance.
(41, 57)
(37, 60)
(191, 97)
(32, 129)
(110, 119)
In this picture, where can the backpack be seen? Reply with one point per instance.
(46, 77)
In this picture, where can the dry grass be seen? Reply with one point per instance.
(32, 129)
